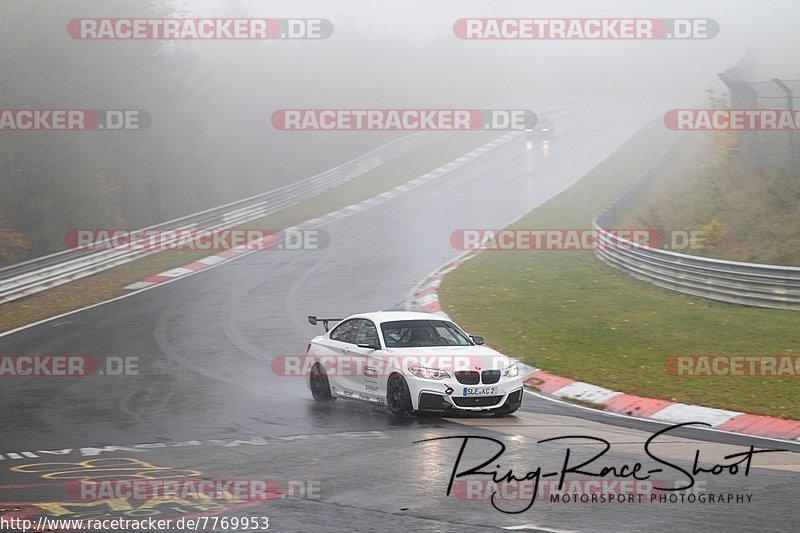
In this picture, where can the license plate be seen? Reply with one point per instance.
(479, 391)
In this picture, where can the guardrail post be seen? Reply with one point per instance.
(742, 94)
(790, 107)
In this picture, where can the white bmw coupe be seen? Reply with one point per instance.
(410, 362)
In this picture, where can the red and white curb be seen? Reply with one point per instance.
(424, 297)
(315, 223)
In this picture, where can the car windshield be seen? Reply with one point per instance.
(418, 333)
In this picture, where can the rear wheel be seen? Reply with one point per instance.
(398, 397)
(320, 386)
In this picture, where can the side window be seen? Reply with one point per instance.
(364, 330)
(344, 331)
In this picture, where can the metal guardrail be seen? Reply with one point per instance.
(42, 273)
(749, 284)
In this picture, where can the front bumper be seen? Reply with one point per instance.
(438, 402)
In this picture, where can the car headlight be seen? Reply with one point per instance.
(512, 371)
(428, 373)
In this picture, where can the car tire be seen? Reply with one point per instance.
(398, 397)
(320, 386)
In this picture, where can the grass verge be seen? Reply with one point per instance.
(109, 284)
(744, 214)
(570, 314)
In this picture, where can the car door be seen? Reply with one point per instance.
(365, 359)
(340, 367)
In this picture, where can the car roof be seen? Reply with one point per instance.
(390, 316)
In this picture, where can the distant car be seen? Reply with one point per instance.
(544, 129)
(411, 362)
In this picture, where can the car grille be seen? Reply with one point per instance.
(471, 377)
(468, 377)
(490, 376)
(477, 401)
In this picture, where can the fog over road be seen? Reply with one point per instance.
(206, 393)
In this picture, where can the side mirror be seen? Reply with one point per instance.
(371, 343)
(477, 339)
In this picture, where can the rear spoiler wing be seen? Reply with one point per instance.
(325, 321)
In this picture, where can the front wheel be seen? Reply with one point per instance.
(320, 387)
(398, 397)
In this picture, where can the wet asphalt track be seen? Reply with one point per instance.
(207, 401)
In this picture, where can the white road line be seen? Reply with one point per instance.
(139, 285)
(175, 272)
(211, 260)
(534, 527)
(681, 412)
(586, 392)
